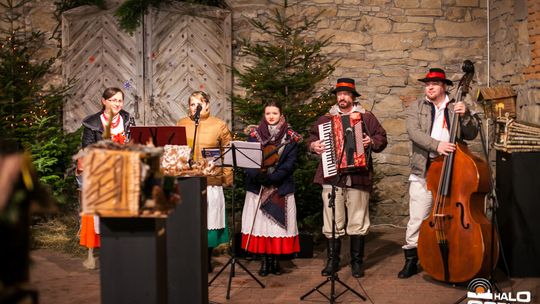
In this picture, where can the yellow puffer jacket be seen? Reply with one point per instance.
(211, 133)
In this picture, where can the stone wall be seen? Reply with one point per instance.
(515, 39)
(386, 45)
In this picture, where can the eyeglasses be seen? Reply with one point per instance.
(112, 100)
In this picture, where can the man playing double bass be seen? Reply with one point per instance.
(428, 120)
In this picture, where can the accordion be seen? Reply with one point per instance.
(342, 138)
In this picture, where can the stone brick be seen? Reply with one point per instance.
(394, 126)
(430, 4)
(348, 25)
(344, 37)
(456, 13)
(377, 2)
(383, 90)
(461, 53)
(444, 43)
(411, 27)
(407, 3)
(357, 47)
(425, 55)
(424, 12)
(374, 81)
(394, 71)
(375, 25)
(523, 33)
(323, 24)
(355, 63)
(329, 12)
(397, 41)
(460, 29)
(414, 19)
(471, 3)
(479, 14)
(386, 55)
(395, 11)
(400, 148)
(43, 18)
(348, 12)
(395, 184)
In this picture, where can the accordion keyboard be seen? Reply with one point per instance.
(328, 156)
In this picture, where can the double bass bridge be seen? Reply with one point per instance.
(439, 218)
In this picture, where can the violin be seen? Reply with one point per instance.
(270, 152)
(271, 155)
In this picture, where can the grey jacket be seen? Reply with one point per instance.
(419, 123)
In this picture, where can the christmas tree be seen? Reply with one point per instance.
(30, 112)
(289, 69)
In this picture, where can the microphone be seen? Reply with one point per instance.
(348, 131)
(197, 113)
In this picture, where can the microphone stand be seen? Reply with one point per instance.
(333, 278)
(196, 118)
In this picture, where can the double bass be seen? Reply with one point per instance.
(456, 242)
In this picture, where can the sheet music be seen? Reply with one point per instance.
(212, 154)
(248, 154)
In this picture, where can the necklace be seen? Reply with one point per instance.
(115, 120)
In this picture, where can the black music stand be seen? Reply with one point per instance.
(159, 135)
(333, 277)
(238, 155)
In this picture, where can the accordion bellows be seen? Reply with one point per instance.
(344, 150)
(112, 183)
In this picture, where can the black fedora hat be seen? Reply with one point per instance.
(346, 84)
(436, 74)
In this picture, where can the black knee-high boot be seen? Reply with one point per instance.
(275, 268)
(411, 260)
(265, 265)
(357, 255)
(333, 247)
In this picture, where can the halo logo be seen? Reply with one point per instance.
(481, 291)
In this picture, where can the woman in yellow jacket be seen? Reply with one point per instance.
(212, 132)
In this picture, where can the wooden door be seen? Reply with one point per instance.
(190, 50)
(97, 55)
(184, 48)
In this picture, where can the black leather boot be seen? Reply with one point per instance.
(333, 249)
(265, 265)
(275, 268)
(210, 268)
(357, 255)
(411, 261)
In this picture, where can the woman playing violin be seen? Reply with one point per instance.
(269, 215)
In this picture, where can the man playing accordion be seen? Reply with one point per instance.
(353, 133)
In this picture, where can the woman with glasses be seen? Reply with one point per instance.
(94, 125)
(112, 102)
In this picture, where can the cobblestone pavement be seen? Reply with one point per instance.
(61, 278)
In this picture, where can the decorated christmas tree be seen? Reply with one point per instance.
(31, 112)
(289, 68)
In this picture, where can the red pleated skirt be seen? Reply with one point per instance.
(271, 245)
(88, 236)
